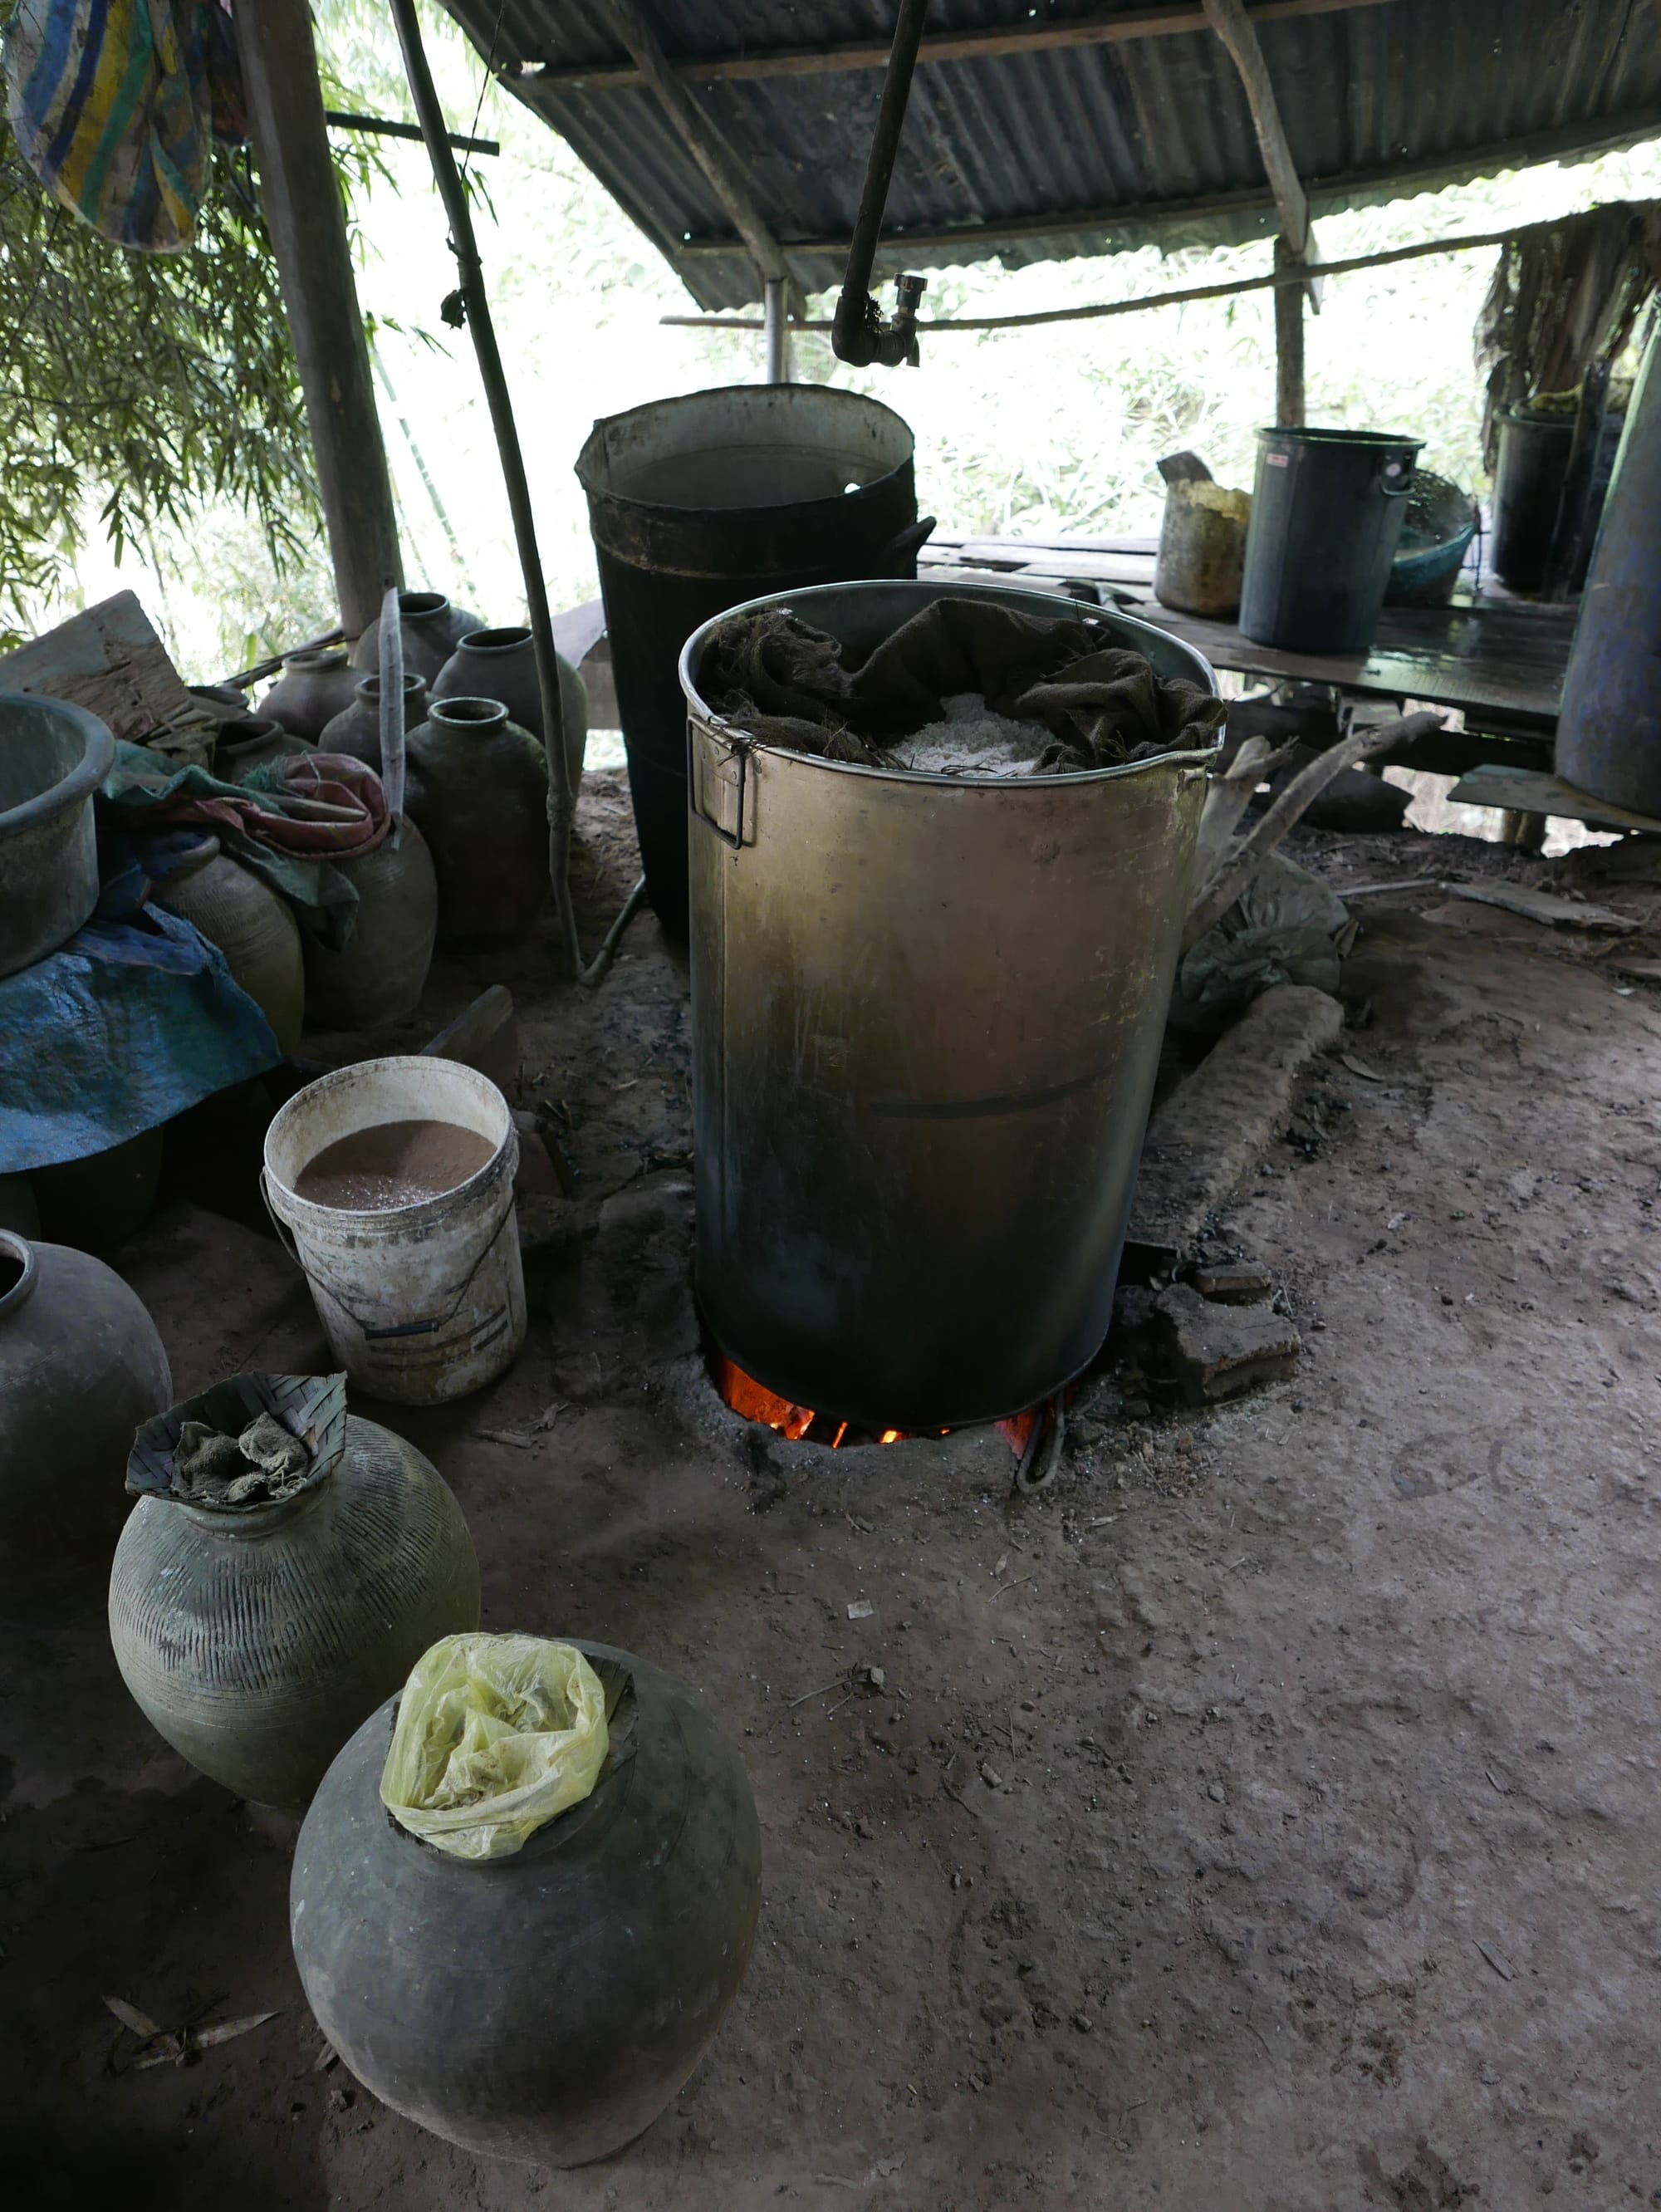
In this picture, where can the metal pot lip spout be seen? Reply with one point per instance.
(1169, 656)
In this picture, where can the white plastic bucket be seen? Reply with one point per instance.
(421, 1303)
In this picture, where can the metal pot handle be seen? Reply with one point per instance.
(904, 545)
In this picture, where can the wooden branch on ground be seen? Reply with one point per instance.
(1248, 855)
(1120, 26)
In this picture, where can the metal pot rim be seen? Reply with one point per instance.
(926, 593)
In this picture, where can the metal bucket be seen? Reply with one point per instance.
(699, 503)
(926, 1016)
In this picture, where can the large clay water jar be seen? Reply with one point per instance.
(432, 629)
(256, 1640)
(252, 925)
(312, 689)
(248, 743)
(382, 973)
(478, 790)
(81, 1366)
(549, 2005)
(97, 1202)
(501, 665)
(356, 730)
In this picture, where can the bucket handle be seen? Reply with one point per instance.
(1396, 475)
(428, 1327)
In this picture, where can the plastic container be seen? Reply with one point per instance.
(1326, 516)
(1527, 492)
(1202, 549)
(421, 1303)
(53, 758)
(1609, 730)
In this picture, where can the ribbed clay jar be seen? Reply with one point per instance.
(313, 688)
(478, 790)
(382, 973)
(501, 665)
(357, 731)
(81, 1366)
(432, 629)
(255, 1642)
(252, 925)
(545, 2006)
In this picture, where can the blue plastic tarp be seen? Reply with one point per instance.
(133, 1020)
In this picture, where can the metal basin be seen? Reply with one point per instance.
(926, 1017)
(53, 758)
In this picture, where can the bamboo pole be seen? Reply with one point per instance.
(475, 311)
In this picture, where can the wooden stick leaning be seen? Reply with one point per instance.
(1247, 855)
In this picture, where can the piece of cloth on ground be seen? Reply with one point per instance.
(785, 684)
(126, 1025)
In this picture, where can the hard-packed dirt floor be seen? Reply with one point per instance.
(1264, 1816)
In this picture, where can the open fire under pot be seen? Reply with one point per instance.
(926, 1017)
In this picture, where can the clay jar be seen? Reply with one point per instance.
(248, 743)
(478, 792)
(431, 631)
(313, 688)
(357, 730)
(255, 1641)
(501, 665)
(380, 975)
(81, 1366)
(252, 925)
(545, 2006)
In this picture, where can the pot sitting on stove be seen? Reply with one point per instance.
(926, 1017)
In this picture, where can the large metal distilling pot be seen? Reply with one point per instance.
(926, 1017)
(699, 503)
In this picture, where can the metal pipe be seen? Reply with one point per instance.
(856, 329)
(471, 304)
(778, 334)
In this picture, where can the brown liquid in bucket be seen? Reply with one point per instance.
(396, 1164)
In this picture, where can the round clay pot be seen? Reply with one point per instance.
(382, 973)
(98, 1202)
(312, 689)
(256, 1641)
(252, 925)
(248, 743)
(432, 629)
(478, 790)
(501, 665)
(357, 731)
(545, 2006)
(81, 1366)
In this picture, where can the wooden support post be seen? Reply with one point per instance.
(1288, 343)
(300, 199)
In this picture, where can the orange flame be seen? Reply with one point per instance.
(754, 1402)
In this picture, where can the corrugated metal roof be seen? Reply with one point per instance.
(1077, 150)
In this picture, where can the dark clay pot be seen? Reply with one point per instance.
(382, 973)
(549, 2005)
(312, 689)
(501, 665)
(431, 631)
(357, 731)
(478, 793)
(248, 743)
(98, 1202)
(255, 1641)
(252, 926)
(81, 1366)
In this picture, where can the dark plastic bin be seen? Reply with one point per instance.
(1326, 516)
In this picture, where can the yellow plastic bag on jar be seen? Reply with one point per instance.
(495, 1735)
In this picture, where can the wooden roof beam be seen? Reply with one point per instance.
(1029, 38)
(1234, 26)
(708, 149)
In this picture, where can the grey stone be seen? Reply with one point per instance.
(1216, 1352)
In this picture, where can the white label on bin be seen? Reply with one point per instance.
(1278, 460)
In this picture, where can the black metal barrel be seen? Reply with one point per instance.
(700, 503)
